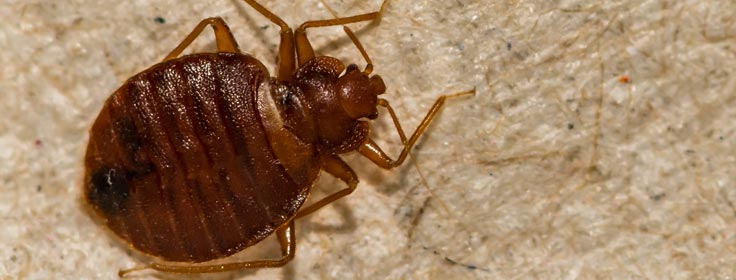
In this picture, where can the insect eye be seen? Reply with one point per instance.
(352, 68)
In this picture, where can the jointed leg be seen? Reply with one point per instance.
(304, 49)
(286, 237)
(287, 62)
(372, 151)
(338, 168)
(223, 36)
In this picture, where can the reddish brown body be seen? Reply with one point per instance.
(201, 156)
(181, 164)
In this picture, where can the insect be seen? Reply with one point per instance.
(203, 155)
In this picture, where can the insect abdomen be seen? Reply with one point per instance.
(179, 163)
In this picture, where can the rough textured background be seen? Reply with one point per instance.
(600, 144)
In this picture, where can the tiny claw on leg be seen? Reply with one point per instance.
(124, 272)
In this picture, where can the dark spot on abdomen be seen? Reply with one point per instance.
(131, 143)
(125, 129)
(109, 190)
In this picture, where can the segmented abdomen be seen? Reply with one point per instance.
(179, 163)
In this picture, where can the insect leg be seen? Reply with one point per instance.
(304, 50)
(287, 62)
(372, 151)
(338, 168)
(287, 239)
(223, 36)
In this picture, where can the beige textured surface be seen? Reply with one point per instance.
(558, 168)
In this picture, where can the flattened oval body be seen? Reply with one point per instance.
(182, 165)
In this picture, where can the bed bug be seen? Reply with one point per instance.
(203, 155)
